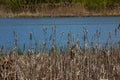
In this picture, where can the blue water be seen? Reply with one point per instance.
(74, 25)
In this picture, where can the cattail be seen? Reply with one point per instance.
(53, 35)
(115, 31)
(69, 40)
(73, 51)
(45, 30)
(62, 33)
(77, 42)
(15, 39)
(24, 46)
(53, 50)
(2, 48)
(110, 35)
(54, 29)
(45, 33)
(118, 26)
(44, 47)
(36, 46)
(45, 39)
(30, 35)
(13, 54)
(85, 37)
(98, 39)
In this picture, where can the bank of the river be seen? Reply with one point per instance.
(61, 12)
(59, 8)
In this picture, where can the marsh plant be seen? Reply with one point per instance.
(77, 62)
(15, 39)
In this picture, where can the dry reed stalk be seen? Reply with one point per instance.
(69, 42)
(54, 35)
(15, 39)
(2, 49)
(85, 38)
(24, 47)
(44, 66)
(45, 39)
(31, 36)
(116, 32)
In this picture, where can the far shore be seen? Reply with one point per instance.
(59, 13)
(34, 15)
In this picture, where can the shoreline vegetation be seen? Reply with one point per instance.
(91, 66)
(56, 13)
(58, 8)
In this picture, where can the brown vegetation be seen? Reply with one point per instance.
(58, 11)
(90, 66)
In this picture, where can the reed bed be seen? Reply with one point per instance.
(73, 63)
(90, 66)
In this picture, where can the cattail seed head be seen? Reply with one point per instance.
(30, 35)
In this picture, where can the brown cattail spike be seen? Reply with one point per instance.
(30, 35)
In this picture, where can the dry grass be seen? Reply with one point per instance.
(90, 66)
(45, 11)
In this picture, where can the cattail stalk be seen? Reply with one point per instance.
(15, 39)
(45, 38)
(54, 35)
(31, 36)
(85, 37)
